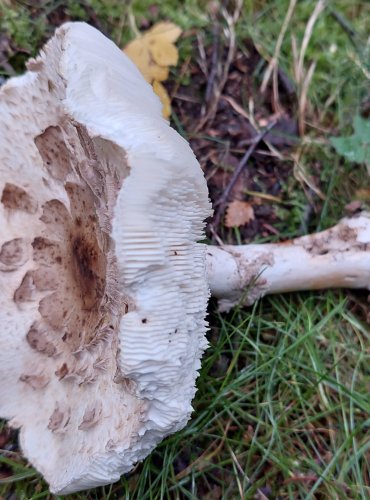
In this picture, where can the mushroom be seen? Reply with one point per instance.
(335, 258)
(103, 281)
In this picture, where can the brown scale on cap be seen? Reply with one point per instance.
(59, 419)
(38, 381)
(37, 339)
(15, 198)
(26, 292)
(12, 254)
(54, 152)
(91, 415)
(72, 256)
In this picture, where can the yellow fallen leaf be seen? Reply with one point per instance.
(238, 213)
(164, 97)
(139, 54)
(153, 52)
(167, 30)
(163, 53)
(159, 73)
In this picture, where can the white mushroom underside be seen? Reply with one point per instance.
(102, 282)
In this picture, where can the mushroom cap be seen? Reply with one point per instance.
(103, 287)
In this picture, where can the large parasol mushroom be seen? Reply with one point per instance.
(103, 284)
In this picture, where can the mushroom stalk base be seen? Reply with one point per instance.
(337, 257)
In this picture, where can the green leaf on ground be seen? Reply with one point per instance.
(355, 147)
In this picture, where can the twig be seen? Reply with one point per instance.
(236, 107)
(303, 78)
(183, 70)
(344, 24)
(205, 458)
(302, 104)
(202, 62)
(132, 22)
(286, 82)
(319, 7)
(213, 75)
(272, 68)
(187, 98)
(215, 66)
(225, 195)
(262, 496)
(212, 99)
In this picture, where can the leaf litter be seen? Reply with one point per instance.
(239, 213)
(221, 143)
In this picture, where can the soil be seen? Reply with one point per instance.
(221, 141)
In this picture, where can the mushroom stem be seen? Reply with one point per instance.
(337, 257)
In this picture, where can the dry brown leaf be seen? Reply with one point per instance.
(363, 194)
(238, 213)
(153, 52)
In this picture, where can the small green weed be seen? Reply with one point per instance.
(356, 147)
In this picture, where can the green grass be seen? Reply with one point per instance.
(282, 404)
(282, 408)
